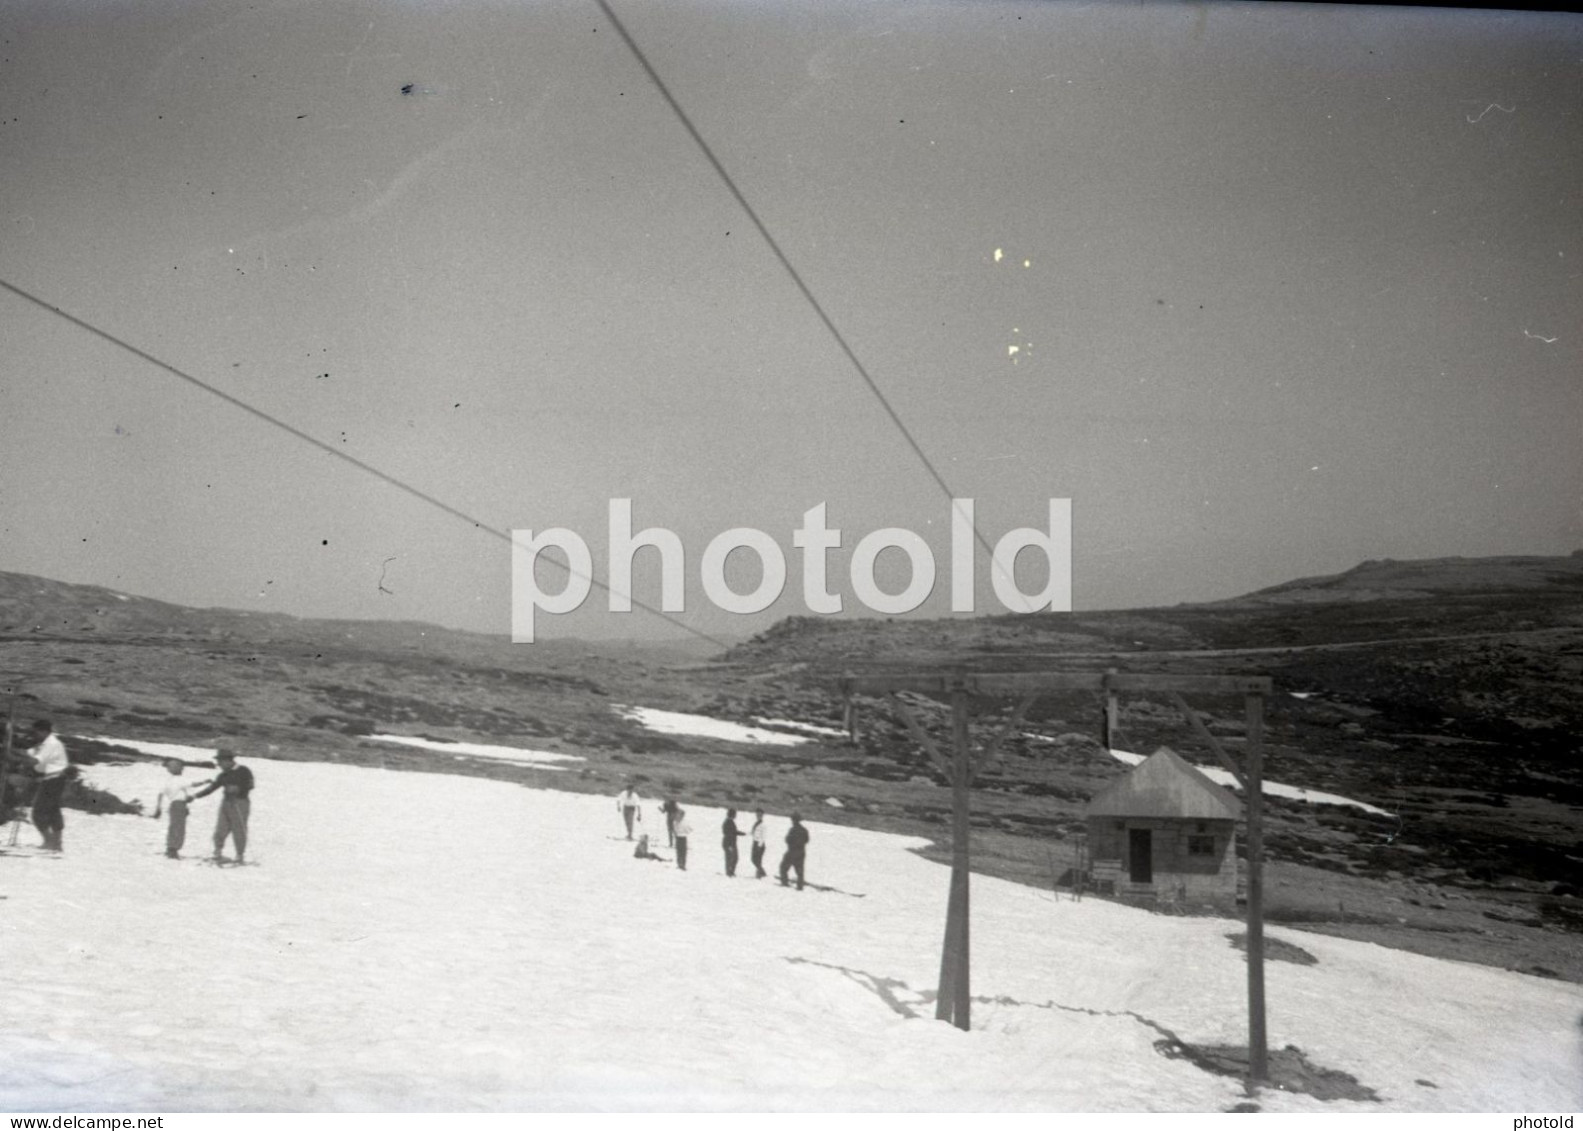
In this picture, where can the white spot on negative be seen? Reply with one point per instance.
(999, 255)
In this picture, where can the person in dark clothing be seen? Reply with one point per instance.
(759, 837)
(684, 829)
(671, 811)
(237, 782)
(729, 834)
(796, 851)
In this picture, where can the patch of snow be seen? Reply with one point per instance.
(161, 749)
(538, 758)
(834, 803)
(120, 596)
(702, 726)
(1293, 792)
(811, 728)
(525, 961)
(1271, 788)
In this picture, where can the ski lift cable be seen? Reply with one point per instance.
(794, 274)
(330, 449)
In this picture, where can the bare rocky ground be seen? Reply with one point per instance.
(1449, 693)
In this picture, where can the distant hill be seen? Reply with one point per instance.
(1380, 601)
(39, 606)
(1375, 580)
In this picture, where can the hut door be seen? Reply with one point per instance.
(1140, 844)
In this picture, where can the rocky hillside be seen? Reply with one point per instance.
(1451, 695)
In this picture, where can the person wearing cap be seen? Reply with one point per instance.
(174, 796)
(237, 782)
(49, 758)
(796, 850)
(760, 837)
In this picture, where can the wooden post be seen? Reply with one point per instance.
(1258, 1054)
(953, 1002)
(848, 709)
(945, 994)
(955, 995)
(960, 861)
(1111, 713)
(5, 758)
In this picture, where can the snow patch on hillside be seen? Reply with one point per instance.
(811, 728)
(702, 726)
(1271, 788)
(537, 758)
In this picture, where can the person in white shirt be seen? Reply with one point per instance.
(760, 837)
(174, 796)
(49, 758)
(630, 806)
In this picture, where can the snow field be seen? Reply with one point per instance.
(433, 942)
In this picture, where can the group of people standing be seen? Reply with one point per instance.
(235, 782)
(679, 829)
(52, 770)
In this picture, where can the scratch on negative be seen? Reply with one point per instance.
(1540, 338)
(1493, 106)
(383, 567)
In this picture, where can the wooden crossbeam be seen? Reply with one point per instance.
(1214, 744)
(1010, 683)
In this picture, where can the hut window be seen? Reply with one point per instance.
(1201, 827)
(1200, 846)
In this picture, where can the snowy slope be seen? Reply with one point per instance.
(416, 941)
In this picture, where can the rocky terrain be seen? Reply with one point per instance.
(1447, 692)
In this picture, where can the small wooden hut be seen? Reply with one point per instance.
(1165, 833)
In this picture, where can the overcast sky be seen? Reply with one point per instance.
(1288, 287)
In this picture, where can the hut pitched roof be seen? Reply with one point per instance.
(1165, 786)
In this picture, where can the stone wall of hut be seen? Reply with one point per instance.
(1194, 861)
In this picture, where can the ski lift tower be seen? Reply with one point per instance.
(954, 1000)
